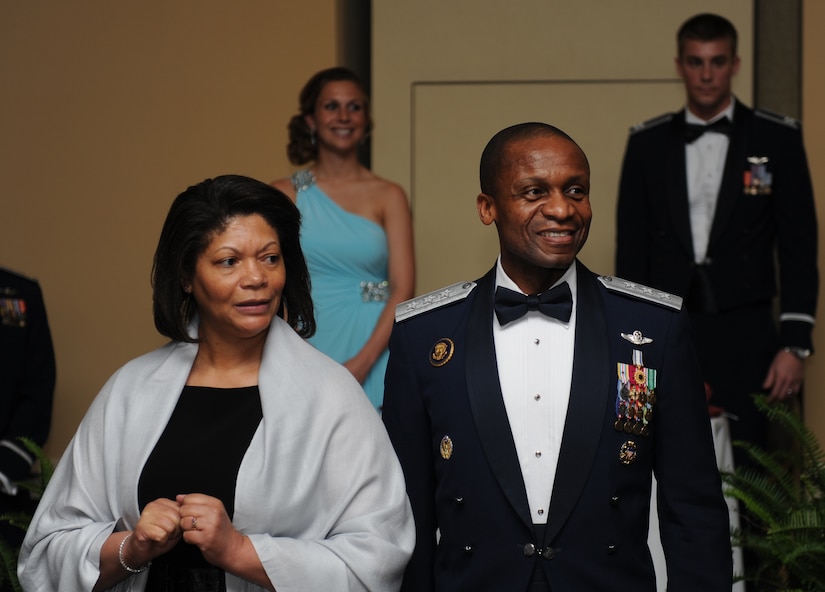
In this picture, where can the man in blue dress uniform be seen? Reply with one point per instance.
(531, 407)
(716, 205)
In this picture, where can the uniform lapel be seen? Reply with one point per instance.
(486, 402)
(589, 390)
(676, 182)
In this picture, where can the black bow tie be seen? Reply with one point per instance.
(694, 130)
(557, 303)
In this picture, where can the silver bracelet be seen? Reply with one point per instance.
(123, 563)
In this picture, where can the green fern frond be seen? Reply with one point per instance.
(19, 519)
(8, 558)
(809, 554)
(771, 465)
(783, 494)
(804, 519)
(46, 466)
(36, 487)
(813, 456)
(760, 494)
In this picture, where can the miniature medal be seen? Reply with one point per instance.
(13, 312)
(636, 391)
(758, 180)
(446, 448)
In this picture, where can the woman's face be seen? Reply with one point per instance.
(340, 117)
(239, 280)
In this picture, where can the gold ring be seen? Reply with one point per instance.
(194, 523)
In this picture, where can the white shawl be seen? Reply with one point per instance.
(320, 492)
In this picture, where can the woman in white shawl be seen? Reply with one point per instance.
(236, 457)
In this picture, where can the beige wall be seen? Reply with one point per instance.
(448, 75)
(110, 109)
(461, 41)
(813, 117)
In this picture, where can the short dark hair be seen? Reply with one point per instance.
(195, 217)
(706, 27)
(301, 148)
(492, 158)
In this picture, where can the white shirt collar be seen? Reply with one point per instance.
(502, 279)
(727, 112)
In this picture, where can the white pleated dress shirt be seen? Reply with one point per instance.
(705, 162)
(534, 355)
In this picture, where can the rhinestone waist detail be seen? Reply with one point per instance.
(375, 291)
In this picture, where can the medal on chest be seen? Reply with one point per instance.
(635, 396)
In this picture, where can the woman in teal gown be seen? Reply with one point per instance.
(356, 229)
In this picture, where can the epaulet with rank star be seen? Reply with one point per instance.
(641, 292)
(651, 123)
(778, 118)
(436, 299)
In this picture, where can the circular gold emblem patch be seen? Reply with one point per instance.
(442, 351)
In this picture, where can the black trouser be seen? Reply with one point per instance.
(735, 350)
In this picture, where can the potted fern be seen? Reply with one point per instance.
(35, 486)
(782, 496)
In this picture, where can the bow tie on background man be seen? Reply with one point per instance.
(694, 130)
(556, 302)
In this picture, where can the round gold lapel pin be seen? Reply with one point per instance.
(442, 352)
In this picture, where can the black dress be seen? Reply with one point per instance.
(200, 451)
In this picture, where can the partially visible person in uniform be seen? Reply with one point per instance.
(531, 408)
(716, 205)
(356, 228)
(27, 378)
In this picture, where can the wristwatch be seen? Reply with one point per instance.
(800, 353)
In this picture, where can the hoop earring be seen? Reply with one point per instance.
(367, 134)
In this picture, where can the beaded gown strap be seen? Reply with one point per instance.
(302, 180)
